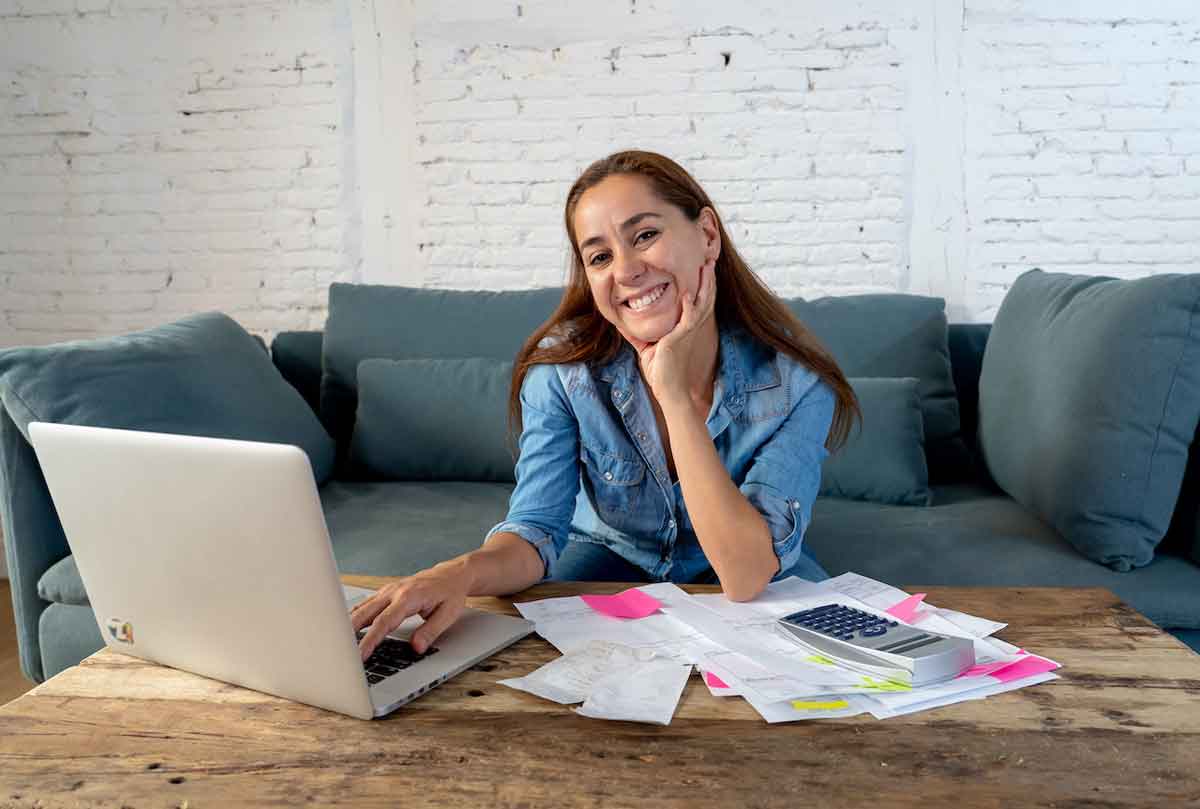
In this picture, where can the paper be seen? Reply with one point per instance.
(568, 623)
(570, 678)
(648, 692)
(636, 669)
(887, 707)
(906, 610)
(631, 603)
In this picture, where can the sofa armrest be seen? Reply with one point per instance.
(33, 537)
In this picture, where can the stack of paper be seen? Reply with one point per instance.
(627, 656)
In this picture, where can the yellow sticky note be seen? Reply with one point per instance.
(884, 685)
(824, 661)
(820, 706)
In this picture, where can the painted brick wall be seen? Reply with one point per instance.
(162, 157)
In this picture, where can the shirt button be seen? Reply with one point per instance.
(671, 523)
(795, 505)
(608, 475)
(617, 395)
(641, 436)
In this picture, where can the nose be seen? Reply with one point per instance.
(627, 269)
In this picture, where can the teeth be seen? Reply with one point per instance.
(648, 298)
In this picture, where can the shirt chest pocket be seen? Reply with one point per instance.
(616, 484)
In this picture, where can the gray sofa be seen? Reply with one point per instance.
(970, 534)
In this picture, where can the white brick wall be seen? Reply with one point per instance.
(161, 157)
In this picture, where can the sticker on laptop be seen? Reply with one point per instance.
(120, 630)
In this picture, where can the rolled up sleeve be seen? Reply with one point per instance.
(784, 478)
(543, 502)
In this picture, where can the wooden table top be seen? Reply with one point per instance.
(1120, 728)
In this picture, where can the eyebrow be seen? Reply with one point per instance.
(628, 223)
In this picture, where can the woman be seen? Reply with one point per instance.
(674, 389)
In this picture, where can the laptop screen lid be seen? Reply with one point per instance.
(208, 555)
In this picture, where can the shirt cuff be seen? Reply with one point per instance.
(541, 541)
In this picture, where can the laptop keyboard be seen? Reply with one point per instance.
(390, 657)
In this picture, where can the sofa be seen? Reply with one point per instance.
(401, 403)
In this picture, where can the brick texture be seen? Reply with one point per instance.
(161, 157)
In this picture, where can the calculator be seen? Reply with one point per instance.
(853, 636)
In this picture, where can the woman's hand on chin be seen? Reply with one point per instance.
(665, 363)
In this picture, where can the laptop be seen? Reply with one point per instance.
(212, 556)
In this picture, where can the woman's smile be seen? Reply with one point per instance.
(649, 301)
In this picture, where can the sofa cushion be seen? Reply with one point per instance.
(884, 459)
(1088, 400)
(399, 528)
(973, 536)
(203, 375)
(434, 419)
(893, 335)
(368, 321)
(61, 584)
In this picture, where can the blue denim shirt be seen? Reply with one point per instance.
(592, 466)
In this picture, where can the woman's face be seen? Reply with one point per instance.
(641, 255)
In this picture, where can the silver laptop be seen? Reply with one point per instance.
(212, 556)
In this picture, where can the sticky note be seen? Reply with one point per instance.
(1027, 667)
(884, 685)
(906, 610)
(714, 680)
(631, 603)
(820, 706)
(821, 659)
(988, 668)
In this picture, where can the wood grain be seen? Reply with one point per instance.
(1121, 728)
(12, 682)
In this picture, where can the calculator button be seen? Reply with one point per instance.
(874, 631)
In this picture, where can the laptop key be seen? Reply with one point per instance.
(374, 678)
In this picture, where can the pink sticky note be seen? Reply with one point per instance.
(1027, 667)
(988, 668)
(632, 603)
(714, 680)
(907, 608)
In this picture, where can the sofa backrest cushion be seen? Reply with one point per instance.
(1088, 401)
(368, 321)
(203, 375)
(883, 460)
(434, 419)
(895, 335)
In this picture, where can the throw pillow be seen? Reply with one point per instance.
(370, 321)
(203, 375)
(883, 460)
(895, 335)
(433, 419)
(1088, 400)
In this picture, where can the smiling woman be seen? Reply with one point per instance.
(673, 414)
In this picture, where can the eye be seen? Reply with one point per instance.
(647, 233)
(597, 259)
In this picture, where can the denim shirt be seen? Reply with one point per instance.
(592, 466)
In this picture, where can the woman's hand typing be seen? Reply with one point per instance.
(438, 595)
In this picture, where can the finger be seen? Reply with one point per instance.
(365, 611)
(386, 621)
(438, 622)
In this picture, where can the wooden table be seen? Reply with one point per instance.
(1121, 728)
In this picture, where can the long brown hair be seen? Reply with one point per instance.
(742, 299)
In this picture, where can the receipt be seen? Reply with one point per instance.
(648, 692)
(571, 678)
